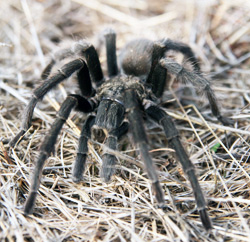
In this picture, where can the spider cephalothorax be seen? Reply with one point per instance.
(119, 104)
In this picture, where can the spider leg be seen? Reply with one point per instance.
(58, 56)
(90, 55)
(47, 70)
(65, 72)
(79, 165)
(84, 82)
(82, 49)
(197, 80)
(49, 141)
(185, 50)
(110, 115)
(110, 39)
(158, 80)
(140, 139)
(161, 117)
(83, 75)
(159, 50)
(109, 160)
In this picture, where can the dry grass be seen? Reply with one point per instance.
(123, 210)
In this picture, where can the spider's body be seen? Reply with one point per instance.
(119, 104)
(114, 88)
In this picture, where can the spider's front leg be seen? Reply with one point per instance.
(49, 141)
(171, 132)
(82, 49)
(110, 115)
(109, 160)
(140, 139)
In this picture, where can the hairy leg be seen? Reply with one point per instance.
(79, 165)
(198, 81)
(84, 82)
(58, 56)
(140, 138)
(66, 71)
(84, 72)
(159, 50)
(110, 40)
(90, 55)
(47, 148)
(109, 160)
(80, 49)
(172, 135)
(110, 115)
(185, 50)
(158, 80)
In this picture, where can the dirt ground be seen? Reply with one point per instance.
(125, 209)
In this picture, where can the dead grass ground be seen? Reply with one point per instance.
(123, 210)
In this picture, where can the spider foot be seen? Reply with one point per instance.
(29, 205)
(205, 219)
(158, 194)
(226, 121)
(77, 179)
(79, 167)
(108, 167)
(163, 207)
(13, 142)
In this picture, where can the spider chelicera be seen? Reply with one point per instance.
(118, 104)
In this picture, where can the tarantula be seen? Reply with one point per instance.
(130, 93)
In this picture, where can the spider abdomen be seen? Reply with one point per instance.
(135, 58)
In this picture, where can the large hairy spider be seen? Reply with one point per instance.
(129, 93)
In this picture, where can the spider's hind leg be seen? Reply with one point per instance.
(157, 75)
(185, 50)
(198, 81)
